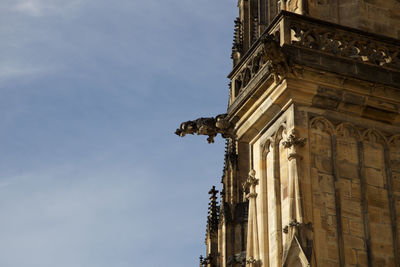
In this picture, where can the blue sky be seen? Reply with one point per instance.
(91, 174)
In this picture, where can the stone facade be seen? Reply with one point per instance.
(312, 163)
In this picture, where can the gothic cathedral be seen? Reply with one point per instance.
(312, 161)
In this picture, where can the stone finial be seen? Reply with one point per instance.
(294, 140)
(293, 223)
(250, 260)
(249, 185)
(237, 46)
(213, 192)
(251, 180)
(213, 211)
(201, 261)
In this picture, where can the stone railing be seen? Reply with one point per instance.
(250, 65)
(346, 42)
(296, 31)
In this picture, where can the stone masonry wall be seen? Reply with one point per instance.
(376, 16)
(354, 191)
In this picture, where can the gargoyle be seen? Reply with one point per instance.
(273, 53)
(207, 126)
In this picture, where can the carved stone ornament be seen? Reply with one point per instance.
(293, 223)
(346, 44)
(251, 180)
(275, 57)
(239, 258)
(251, 195)
(207, 126)
(205, 261)
(251, 260)
(294, 156)
(270, 54)
(294, 140)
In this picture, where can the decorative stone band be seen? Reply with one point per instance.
(345, 44)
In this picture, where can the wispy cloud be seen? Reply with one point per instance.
(16, 71)
(30, 7)
(38, 8)
(4, 184)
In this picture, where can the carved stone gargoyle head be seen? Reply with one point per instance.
(275, 56)
(187, 127)
(207, 126)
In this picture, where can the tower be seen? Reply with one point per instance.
(312, 161)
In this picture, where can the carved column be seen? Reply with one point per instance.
(294, 141)
(297, 232)
(252, 257)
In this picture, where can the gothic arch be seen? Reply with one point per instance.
(346, 129)
(279, 134)
(374, 136)
(266, 147)
(322, 124)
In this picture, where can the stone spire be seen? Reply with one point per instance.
(213, 211)
(237, 46)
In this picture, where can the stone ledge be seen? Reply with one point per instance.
(343, 66)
